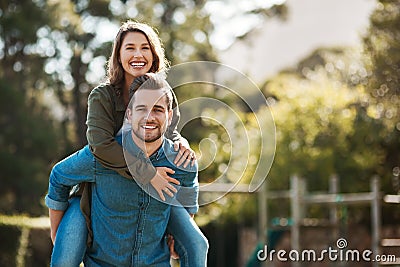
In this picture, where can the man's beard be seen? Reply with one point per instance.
(140, 133)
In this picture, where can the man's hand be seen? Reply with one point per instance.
(185, 154)
(161, 182)
(55, 219)
(171, 245)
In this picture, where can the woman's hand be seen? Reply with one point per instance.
(185, 154)
(161, 182)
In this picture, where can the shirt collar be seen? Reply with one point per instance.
(134, 150)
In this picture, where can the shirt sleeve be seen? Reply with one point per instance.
(101, 137)
(65, 174)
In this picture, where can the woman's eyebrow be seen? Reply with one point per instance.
(134, 44)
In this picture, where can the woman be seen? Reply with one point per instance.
(137, 50)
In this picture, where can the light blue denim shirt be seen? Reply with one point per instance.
(128, 223)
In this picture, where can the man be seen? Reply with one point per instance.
(128, 222)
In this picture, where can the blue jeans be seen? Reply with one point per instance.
(190, 243)
(70, 244)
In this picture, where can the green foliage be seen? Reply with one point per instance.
(315, 125)
(9, 246)
(382, 48)
(28, 140)
(28, 143)
(326, 124)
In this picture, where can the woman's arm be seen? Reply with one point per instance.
(105, 115)
(186, 155)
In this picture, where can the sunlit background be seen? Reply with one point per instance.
(328, 72)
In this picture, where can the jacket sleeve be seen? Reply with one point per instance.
(172, 131)
(101, 139)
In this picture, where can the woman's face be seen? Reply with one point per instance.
(135, 55)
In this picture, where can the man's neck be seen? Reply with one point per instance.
(149, 148)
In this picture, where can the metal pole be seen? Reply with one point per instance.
(262, 212)
(262, 217)
(295, 210)
(376, 217)
(333, 218)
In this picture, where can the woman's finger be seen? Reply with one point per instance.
(184, 157)
(168, 192)
(173, 180)
(160, 193)
(168, 170)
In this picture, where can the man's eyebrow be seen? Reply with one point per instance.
(145, 106)
(140, 106)
(158, 106)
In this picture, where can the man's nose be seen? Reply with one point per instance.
(150, 116)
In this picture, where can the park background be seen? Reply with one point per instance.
(329, 71)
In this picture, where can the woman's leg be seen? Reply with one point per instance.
(190, 242)
(70, 244)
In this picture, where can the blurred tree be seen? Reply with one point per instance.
(334, 131)
(71, 36)
(382, 47)
(324, 127)
(28, 141)
(77, 37)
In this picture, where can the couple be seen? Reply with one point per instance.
(127, 225)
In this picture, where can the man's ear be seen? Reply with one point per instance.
(170, 114)
(128, 114)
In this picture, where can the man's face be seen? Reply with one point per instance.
(149, 115)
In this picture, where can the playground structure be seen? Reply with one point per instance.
(300, 198)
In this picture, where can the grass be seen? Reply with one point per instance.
(25, 221)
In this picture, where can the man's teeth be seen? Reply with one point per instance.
(148, 127)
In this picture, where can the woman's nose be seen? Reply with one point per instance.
(137, 53)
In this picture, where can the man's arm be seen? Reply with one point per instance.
(55, 219)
